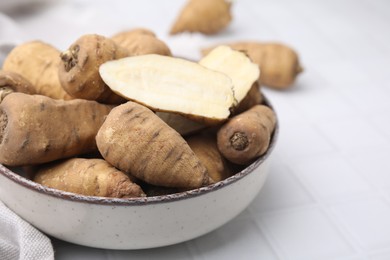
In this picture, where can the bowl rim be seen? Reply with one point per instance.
(27, 183)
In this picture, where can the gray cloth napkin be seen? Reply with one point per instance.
(20, 240)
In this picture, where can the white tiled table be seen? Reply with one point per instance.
(328, 192)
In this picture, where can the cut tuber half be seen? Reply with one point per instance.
(235, 64)
(171, 84)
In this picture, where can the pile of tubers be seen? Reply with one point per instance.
(121, 117)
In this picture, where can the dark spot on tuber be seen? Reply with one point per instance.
(239, 141)
(70, 57)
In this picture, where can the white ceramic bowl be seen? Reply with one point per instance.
(133, 223)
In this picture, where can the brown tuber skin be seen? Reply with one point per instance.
(279, 64)
(38, 63)
(35, 129)
(79, 68)
(140, 42)
(13, 82)
(138, 142)
(247, 135)
(90, 177)
(205, 147)
(203, 16)
(252, 98)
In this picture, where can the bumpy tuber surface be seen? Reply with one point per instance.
(136, 141)
(205, 147)
(203, 16)
(90, 177)
(234, 64)
(140, 42)
(36, 129)
(79, 68)
(13, 82)
(171, 84)
(279, 64)
(38, 63)
(247, 135)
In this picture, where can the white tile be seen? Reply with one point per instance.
(377, 97)
(179, 251)
(374, 164)
(285, 110)
(64, 250)
(367, 221)
(381, 121)
(301, 139)
(330, 178)
(305, 233)
(323, 104)
(380, 256)
(281, 190)
(352, 133)
(341, 73)
(239, 239)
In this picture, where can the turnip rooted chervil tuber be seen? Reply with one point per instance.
(246, 136)
(91, 177)
(234, 64)
(279, 64)
(36, 129)
(136, 141)
(37, 62)
(171, 84)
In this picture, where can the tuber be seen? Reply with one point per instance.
(36, 129)
(79, 68)
(91, 177)
(171, 84)
(38, 63)
(141, 41)
(234, 64)
(136, 141)
(247, 135)
(203, 16)
(279, 64)
(205, 147)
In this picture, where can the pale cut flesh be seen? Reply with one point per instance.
(171, 84)
(235, 64)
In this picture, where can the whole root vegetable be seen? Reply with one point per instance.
(136, 141)
(141, 41)
(204, 16)
(205, 147)
(36, 129)
(38, 63)
(279, 64)
(90, 177)
(79, 68)
(247, 135)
